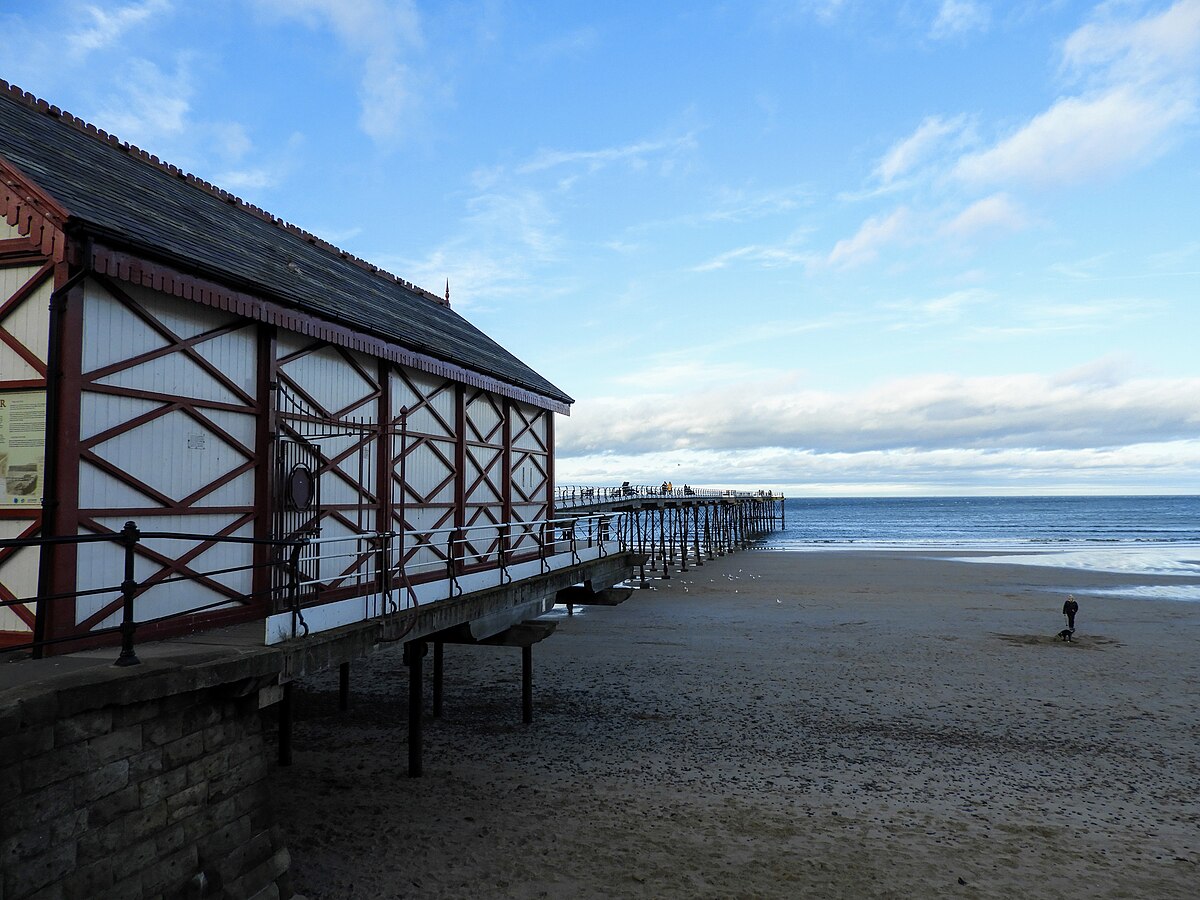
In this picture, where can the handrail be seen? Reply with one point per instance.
(309, 562)
(590, 495)
(129, 538)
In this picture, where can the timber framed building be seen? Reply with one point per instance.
(174, 356)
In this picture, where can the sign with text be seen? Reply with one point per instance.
(22, 447)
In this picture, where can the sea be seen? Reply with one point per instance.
(1132, 536)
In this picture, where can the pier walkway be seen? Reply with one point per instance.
(673, 526)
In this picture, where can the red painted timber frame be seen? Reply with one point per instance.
(65, 257)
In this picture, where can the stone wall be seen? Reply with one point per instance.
(127, 788)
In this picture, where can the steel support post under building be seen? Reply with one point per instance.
(527, 684)
(413, 653)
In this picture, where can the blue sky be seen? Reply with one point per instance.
(829, 246)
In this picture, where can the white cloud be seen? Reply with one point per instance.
(766, 256)
(1097, 406)
(959, 17)
(152, 105)
(635, 154)
(1156, 467)
(1081, 138)
(511, 228)
(383, 34)
(995, 213)
(1140, 87)
(1156, 47)
(936, 311)
(104, 28)
(874, 234)
(913, 150)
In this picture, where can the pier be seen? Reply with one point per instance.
(161, 744)
(673, 527)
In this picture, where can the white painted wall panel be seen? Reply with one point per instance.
(424, 470)
(440, 395)
(330, 380)
(13, 278)
(426, 558)
(528, 473)
(112, 333)
(479, 460)
(240, 426)
(174, 454)
(535, 437)
(174, 375)
(14, 368)
(236, 356)
(101, 565)
(360, 466)
(18, 573)
(239, 492)
(101, 412)
(9, 231)
(99, 490)
(339, 556)
(29, 323)
(183, 318)
(484, 417)
(10, 622)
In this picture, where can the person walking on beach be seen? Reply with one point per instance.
(1069, 610)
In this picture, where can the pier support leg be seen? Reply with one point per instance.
(437, 679)
(682, 513)
(344, 686)
(413, 652)
(662, 543)
(285, 726)
(527, 685)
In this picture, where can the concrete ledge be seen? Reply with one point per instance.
(38, 691)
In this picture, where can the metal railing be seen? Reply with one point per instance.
(307, 566)
(282, 559)
(570, 496)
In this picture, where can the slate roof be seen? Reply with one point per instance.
(119, 191)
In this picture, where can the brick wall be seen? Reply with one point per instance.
(156, 793)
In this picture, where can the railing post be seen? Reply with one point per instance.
(451, 567)
(128, 539)
(542, 549)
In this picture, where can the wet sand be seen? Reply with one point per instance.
(841, 724)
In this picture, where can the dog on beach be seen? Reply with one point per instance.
(1065, 634)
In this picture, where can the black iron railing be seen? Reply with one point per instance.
(574, 495)
(306, 569)
(284, 583)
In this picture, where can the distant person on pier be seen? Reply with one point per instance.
(1069, 610)
(663, 489)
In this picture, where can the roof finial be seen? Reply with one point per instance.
(447, 291)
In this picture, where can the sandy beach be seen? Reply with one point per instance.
(826, 724)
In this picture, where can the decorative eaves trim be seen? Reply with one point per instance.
(157, 276)
(33, 213)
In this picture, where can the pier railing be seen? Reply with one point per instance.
(138, 587)
(314, 581)
(677, 526)
(573, 495)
